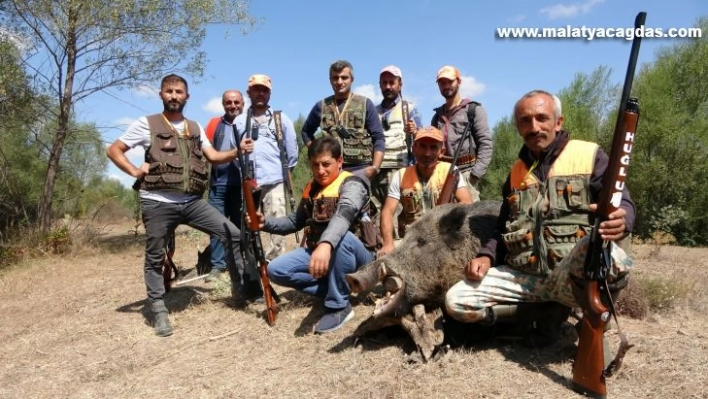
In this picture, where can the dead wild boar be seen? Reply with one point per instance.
(417, 274)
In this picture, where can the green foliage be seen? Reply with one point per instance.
(507, 144)
(301, 174)
(669, 170)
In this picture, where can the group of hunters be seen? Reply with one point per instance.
(375, 170)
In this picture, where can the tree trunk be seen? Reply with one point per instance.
(65, 104)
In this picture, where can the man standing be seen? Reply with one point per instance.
(539, 250)
(399, 119)
(270, 173)
(417, 187)
(352, 119)
(172, 181)
(225, 183)
(452, 118)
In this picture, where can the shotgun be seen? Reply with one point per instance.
(592, 293)
(251, 202)
(447, 192)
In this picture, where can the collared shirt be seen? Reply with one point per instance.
(266, 154)
(225, 174)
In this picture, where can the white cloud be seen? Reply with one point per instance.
(146, 91)
(516, 19)
(213, 106)
(370, 91)
(557, 11)
(470, 87)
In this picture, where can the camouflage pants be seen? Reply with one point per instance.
(472, 187)
(467, 300)
(274, 206)
(379, 193)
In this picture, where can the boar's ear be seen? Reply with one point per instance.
(450, 226)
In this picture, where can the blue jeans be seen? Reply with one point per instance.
(227, 200)
(292, 270)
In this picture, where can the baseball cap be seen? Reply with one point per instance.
(261, 80)
(448, 72)
(393, 70)
(429, 132)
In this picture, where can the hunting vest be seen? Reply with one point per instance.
(349, 128)
(396, 153)
(416, 198)
(320, 207)
(176, 160)
(546, 220)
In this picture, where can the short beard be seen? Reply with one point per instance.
(168, 107)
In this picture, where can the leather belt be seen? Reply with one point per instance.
(462, 160)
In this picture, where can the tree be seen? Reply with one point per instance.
(669, 170)
(507, 144)
(82, 47)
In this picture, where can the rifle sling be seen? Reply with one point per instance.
(624, 346)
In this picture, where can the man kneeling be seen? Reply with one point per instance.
(339, 236)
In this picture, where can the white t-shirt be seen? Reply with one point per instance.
(138, 135)
(394, 185)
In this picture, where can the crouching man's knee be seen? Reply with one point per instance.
(459, 307)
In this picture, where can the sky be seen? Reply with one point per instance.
(296, 41)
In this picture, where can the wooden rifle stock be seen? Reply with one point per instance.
(251, 201)
(409, 140)
(589, 370)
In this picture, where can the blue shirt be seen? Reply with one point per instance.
(266, 154)
(413, 112)
(372, 125)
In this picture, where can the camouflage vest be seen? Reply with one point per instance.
(357, 147)
(396, 153)
(546, 220)
(176, 161)
(321, 205)
(417, 199)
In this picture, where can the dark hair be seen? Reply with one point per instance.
(172, 78)
(339, 65)
(327, 144)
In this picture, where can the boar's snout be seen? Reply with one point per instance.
(367, 277)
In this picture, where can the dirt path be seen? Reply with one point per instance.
(71, 328)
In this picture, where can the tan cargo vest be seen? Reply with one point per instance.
(414, 199)
(547, 220)
(357, 149)
(176, 161)
(396, 154)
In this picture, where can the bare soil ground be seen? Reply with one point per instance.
(71, 327)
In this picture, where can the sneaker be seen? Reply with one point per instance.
(214, 275)
(334, 319)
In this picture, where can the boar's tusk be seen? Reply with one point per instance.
(393, 284)
(382, 271)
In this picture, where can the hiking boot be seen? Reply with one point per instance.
(546, 325)
(214, 275)
(161, 319)
(162, 325)
(334, 319)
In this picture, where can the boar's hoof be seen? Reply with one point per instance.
(425, 329)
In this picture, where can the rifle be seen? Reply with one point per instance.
(169, 269)
(287, 175)
(593, 293)
(447, 193)
(251, 202)
(409, 141)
